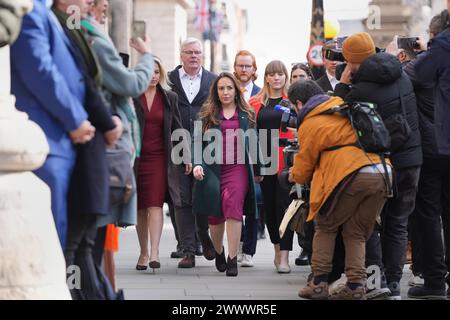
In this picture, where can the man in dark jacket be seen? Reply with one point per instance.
(192, 83)
(433, 197)
(379, 78)
(328, 81)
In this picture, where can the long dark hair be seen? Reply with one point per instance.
(209, 113)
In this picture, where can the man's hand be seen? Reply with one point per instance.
(113, 135)
(423, 44)
(198, 173)
(259, 179)
(84, 133)
(392, 47)
(188, 169)
(141, 46)
(346, 76)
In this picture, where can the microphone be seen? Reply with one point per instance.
(284, 106)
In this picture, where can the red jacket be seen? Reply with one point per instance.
(256, 104)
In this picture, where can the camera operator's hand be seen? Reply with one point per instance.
(259, 179)
(347, 75)
(188, 169)
(198, 173)
(392, 47)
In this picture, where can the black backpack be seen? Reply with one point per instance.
(373, 136)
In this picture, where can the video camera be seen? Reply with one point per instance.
(289, 116)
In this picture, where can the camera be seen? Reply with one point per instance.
(410, 43)
(289, 116)
(339, 70)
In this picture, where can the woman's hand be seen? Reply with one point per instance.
(198, 173)
(259, 179)
(188, 168)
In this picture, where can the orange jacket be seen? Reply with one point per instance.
(326, 169)
(256, 104)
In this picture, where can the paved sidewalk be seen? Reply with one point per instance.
(204, 282)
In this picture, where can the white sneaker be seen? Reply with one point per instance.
(416, 281)
(239, 254)
(247, 261)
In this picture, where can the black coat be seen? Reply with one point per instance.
(89, 185)
(380, 80)
(189, 111)
(324, 83)
(434, 66)
(425, 107)
(172, 122)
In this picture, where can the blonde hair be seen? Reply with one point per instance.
(275, 66)
(163, 79)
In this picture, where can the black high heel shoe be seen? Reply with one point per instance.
(141, 267)
(154, 265)
(221, 262)
(232, 267)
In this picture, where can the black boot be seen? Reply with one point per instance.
(232, 268)
(221, 262)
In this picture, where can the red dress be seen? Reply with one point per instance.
(152, 170)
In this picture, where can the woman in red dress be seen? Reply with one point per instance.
(158, 116)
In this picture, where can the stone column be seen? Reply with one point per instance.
(121, 22)
(32, 264)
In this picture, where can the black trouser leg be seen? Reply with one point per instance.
(429, 209)
(394, 234)
(269, 191)
(99, 246)
(82, 232)
(250, 233)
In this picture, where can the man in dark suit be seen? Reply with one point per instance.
(328, 81)
(245, 72)
(192, 83)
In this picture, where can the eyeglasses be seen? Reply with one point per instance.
(191, 52)
(244, 66)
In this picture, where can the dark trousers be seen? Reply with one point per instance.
(99, 246)
(394, 222)
(415, 237)
(387, 245)
(82, 231)
(173, 220)
(188, 223)
(249, 235)
(276, 201)
(432, 204)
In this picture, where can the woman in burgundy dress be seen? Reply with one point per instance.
(158, 116)
(225, 190)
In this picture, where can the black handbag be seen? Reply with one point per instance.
(120, 176)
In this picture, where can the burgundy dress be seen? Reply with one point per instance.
(152, 170)
(233, 177)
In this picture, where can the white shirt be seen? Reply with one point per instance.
(191, 84)
(248, 91)
(333, 80)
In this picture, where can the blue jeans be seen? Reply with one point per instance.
(56, 173)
